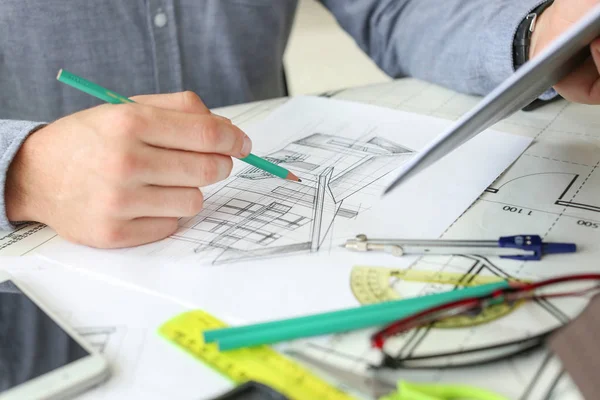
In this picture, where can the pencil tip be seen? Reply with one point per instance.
(293, 177)
(59, 74)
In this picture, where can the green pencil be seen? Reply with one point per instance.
(109, 96)
(337, 321)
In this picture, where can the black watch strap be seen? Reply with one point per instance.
(522, 40)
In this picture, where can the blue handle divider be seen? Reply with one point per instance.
(535, 244)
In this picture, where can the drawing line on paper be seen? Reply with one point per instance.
(255, 215)
(568, 192)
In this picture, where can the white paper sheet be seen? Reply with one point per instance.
(345, 153)
(292, 264)
(122, 324)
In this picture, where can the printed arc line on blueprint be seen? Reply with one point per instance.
(257, 215)
(549, 185)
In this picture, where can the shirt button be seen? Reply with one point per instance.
(160, 20)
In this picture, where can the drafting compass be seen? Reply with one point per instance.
(520, 247)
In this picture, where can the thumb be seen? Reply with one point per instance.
(583, 84)
(595, 87)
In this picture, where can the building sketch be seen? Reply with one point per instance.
(256, 215)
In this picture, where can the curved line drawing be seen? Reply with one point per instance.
(560, 201)
(527, 176)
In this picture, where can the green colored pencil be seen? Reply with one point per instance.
(109, 96)
(337, 321)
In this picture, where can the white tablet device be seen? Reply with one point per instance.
(525, 85)
(40, 356)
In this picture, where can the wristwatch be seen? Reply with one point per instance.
(522, 40)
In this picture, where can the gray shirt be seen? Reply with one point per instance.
(227, 51)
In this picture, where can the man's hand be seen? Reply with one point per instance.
(121, 175)
(582, 85)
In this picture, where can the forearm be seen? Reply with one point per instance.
(12, 135)
(463, 45)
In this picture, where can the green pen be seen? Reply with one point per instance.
(109, 96)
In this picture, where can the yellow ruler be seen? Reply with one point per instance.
(259, 363)
(375, 285)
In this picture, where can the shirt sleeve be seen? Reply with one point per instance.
(12, 135)
(464, 45)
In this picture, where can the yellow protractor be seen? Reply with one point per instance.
(375, 285)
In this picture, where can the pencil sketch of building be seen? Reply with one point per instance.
(258, 215)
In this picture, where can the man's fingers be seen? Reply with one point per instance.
(165, 167)
(191, 132)
(594, 93)
(135, 232)
(188, 102)
(156, 201)
(581, 85)
(181, 121)
(222, 118)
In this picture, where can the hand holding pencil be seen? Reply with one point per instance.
(118, 176)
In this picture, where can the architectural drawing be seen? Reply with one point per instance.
(258, 215)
